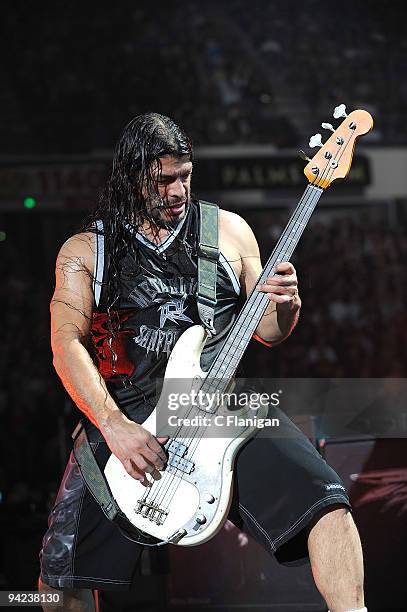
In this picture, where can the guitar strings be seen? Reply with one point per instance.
(262, 301)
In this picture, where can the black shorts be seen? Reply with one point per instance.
(281, 482)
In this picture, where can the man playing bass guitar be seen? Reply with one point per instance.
(125, 292)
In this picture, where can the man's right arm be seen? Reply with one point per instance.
(71, 316)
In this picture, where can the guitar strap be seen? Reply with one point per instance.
(98, 487)
(208, 256)
(91, 473)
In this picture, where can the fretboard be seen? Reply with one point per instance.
(228, 358)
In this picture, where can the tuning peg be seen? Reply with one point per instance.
(315, 141)
(340, 111)
(304, 156)
(328, 126)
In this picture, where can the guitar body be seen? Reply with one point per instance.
(197, 502)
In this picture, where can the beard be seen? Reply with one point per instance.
(159, 210)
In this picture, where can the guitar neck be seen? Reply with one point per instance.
(228, 358)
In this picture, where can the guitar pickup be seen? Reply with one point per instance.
(178, 463)
(177, 448)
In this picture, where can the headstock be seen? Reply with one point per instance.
(334, 158)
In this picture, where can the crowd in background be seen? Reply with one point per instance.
(227, 72)
(354, 316)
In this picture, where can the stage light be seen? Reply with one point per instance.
(29, 202)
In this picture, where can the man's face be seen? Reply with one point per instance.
(174, 183)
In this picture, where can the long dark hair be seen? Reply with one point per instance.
(131, 189)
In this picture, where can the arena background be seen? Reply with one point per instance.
(250, 82)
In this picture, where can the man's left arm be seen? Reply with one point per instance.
(282, 313)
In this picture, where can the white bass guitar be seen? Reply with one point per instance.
(190, 502)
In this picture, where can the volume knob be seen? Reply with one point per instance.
(201, 519)
(208, 498)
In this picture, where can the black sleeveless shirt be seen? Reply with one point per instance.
(157, 304)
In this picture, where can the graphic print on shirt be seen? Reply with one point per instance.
(153, 289)
(110, 350)
(171, 295)
(156, 340)
(174, 310)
